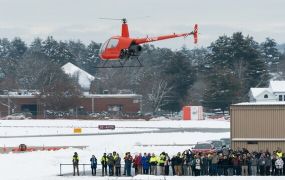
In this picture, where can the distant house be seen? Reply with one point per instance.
(84, 78)
(275, 92)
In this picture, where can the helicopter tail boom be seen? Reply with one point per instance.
(151, 39)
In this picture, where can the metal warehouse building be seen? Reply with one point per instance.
(258, 126)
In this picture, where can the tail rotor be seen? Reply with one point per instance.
(195, 33)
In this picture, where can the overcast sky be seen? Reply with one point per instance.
(78, 19)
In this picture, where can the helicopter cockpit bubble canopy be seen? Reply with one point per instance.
(109, 44)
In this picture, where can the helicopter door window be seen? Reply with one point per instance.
(113, 43)
(103, 47)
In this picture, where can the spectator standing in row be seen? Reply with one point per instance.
(268, 163)
(161, 162)
(104, 161)
(279, 166)
(75, 163)
(111, 163)
(117, 165)
(153, 164)
(197, 161)
(128, 163)
(93, 161)
(145, 163)
(254, 164)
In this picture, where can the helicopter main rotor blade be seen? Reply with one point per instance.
(111, 19)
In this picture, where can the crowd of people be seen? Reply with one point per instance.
(225, 162)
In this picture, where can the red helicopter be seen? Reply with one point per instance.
(122, 48)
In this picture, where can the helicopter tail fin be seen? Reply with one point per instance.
(195, 33)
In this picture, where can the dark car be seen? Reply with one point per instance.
(226, 142)
(217, 144)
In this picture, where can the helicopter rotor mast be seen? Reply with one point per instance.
(125, 28)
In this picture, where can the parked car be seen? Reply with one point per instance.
(205, 147)
(19, 116)
(217, 144)
(16, 116)
(226, 142)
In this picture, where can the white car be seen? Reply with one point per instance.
(16, 116)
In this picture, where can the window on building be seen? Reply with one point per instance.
(280, 97)
(252, 142)
(115, 108)
(265, 96)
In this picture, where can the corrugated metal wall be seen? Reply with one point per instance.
(261, 145)
(259, 122)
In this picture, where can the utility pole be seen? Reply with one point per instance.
(9, 107)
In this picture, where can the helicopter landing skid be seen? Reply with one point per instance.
(122, 64)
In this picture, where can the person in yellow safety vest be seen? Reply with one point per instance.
(161, 162)
(75, 162)
(279, 154)
(153, 164)
(104, 161)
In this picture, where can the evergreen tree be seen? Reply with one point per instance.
(180, 76)
(241, 55)
(57, 52)
(221, 91)
(270, 54)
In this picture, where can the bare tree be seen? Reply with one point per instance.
(160, 90)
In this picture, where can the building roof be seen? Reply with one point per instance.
(257, 91)
(277, 86)
(262, 103)
(84, 78)
(87, 95)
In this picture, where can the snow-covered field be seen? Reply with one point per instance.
(45, 164)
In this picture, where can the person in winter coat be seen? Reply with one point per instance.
(273, 170)
(244, 166)
(104, 161)
(204, 165)
(178, 164)
(236, 165)
(185, 165)
(197, 162)
(254, 163)
(268, 163)
(161, 161)
(283, 158)
(172, 163)
(128, 163)
(166, 164)
(261, 164)
(279, 166)
(137, 163)
(93, 161)
(214, 164)
(225, 165)
(75, 163)
(145, 163)
(111, 163)
(117, 159)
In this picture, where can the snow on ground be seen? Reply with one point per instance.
(22, 131)
(118, 123)
(45, 164)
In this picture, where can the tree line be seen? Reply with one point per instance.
(214, 77)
